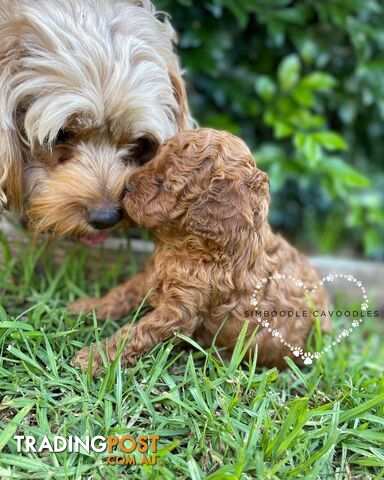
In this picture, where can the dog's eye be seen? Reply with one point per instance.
(62, 136)
(63, 158)
(144, 150)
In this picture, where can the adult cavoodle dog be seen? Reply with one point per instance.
(87, 88)
(207, 204)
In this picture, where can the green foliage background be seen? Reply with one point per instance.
(303, 83)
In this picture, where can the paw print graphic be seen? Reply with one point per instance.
(265, 323)
(307, 357)
(297, 351)
(275, 333)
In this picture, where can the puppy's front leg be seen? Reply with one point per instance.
(118, 302)
(178, 312)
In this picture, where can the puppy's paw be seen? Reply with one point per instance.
(104, 310)
(83, 305)
(81, 359)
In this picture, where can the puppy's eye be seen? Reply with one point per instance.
(128, 188)
(62, 136)
(159, 181)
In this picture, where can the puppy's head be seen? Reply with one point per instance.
(88, 88)
(202, 182)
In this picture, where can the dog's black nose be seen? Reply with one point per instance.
(106, 217)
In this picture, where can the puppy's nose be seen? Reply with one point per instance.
(106, 217)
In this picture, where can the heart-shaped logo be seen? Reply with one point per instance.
(298, 351)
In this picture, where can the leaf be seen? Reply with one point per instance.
(330, 140)
(224, 473)
(282, 130)
(307, 144)
(194, 470)
(336, 167)
(265, 87)
(31, 361)
(303, 96)
(320, 81)
(15, 325)
(290, 428)
(289, 72)
(4, 317)
(238, 11)
(308, 50)
(13, 424)
(360, 409)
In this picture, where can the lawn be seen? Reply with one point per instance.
(215, 420)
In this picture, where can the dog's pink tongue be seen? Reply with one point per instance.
(94, 239)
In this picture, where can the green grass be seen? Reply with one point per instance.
(215, 420)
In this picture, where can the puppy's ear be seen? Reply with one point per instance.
(258, 184)
(229, 207)
(209, 215)
(183, 116)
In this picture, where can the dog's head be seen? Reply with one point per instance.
(87, 89)
(202, 182)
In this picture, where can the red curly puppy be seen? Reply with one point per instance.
(207, 203)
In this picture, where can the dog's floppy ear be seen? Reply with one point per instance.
(229, 207)
(10, 150)
(10, 170)
(183, 116)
